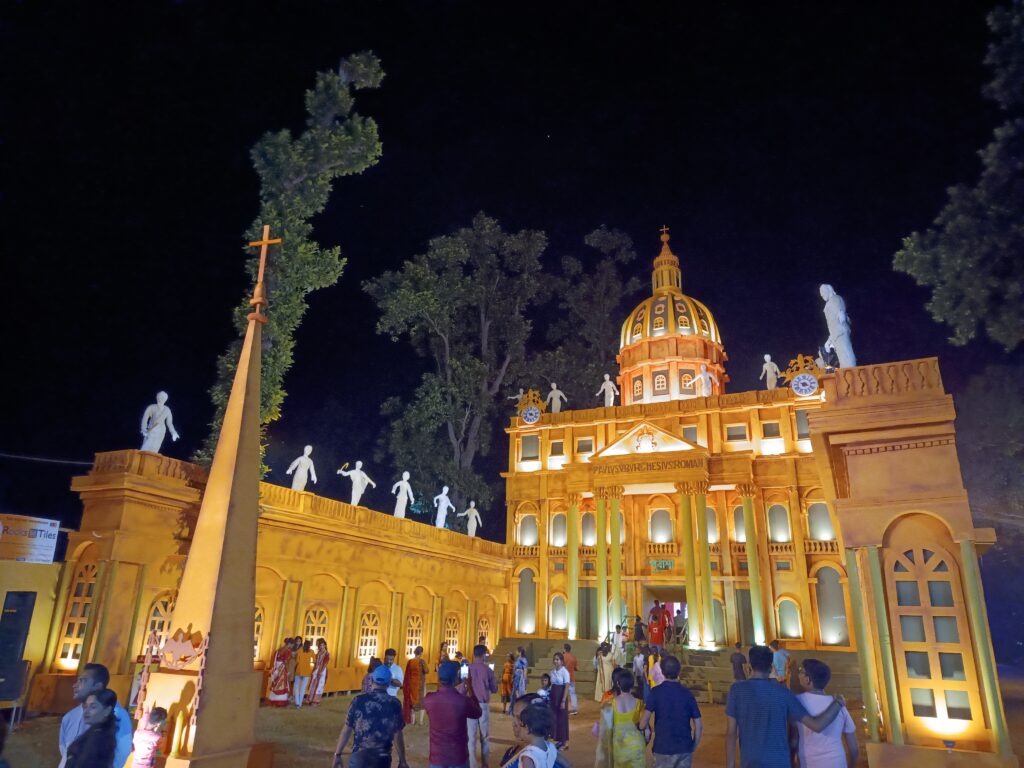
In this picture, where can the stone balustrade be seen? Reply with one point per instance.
(780, 548)
(668, 548)
(520, 551)
(815, 547)
(907, 378)
(133, 462)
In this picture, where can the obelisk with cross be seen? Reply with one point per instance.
(206, 669)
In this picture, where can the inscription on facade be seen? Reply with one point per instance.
(649, 466)
(663, 565)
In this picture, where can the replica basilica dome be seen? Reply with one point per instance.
(670, 347)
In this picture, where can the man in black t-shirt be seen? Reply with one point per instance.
(674, 710)
(739, 663)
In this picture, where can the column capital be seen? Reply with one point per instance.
(699, 487)
(575, 499)
(614, 492)
(746, 489)
(683, 488)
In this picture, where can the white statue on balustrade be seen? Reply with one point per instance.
(443, 504)
(517, 397)
(359, 481)
(609, 390)
(770, 372)
(702, 381)
(156, 423)
(839, 334)
(474, 519)
(403, 495)
(303, 469)
(555, 398)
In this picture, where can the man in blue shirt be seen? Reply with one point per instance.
(92, 678)
(674, 709)
(780, 662)
(759, 711)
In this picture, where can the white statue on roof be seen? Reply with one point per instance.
(303, 469)
(443, 504)
(474, 519)
(403, 495)
(156, 423)
(609, 390)
(517, 397)
(770, 372)
(702, 381)
(359, 481)
(839, 335)
(555, 398)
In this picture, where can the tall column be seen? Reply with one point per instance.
(977, 614)
(707, 636)
(892, 701)
(615, 493)
(689, 561)
(746, 491)
(864, 652)
(573, 546)
(602, 563)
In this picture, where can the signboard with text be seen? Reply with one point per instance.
(28, 539)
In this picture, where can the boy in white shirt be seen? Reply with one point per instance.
(825, 749)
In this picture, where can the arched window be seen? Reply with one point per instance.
(661, 526)
(159, 619)
(704, 326)
(659, 323)
(789, 619)
(831, 608)
(778, 524)
(660, 383)
(684, 321)
(712, 525)
(315, 624)
(588, 530)
(258, 620)
(819, 523)
(719, 619)
(528, 531)
(451, 633)
(638, 387)
(76, 618)
(413, 634)
(369, 634)
(637, 329)
(739, 525)
(559, 530)
(483, 629)
(526, 616)
(559, 615)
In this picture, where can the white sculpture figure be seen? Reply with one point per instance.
(474, 519)
(838, 327)
(609, 390)
(555, 398)
(156, 422)
(769, 372)
(359, 481)
(702, 381)
(303, 469)
(518, 398)
(443, 504)
(403, 492)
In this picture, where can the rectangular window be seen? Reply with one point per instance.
(907, 593)
(803, 428)
(946, 630)
(690, 434)
(923, 701)
(588, 566)
(952, 666)
(912, 629)
(744, 566)
(918, 667)
(559, 567)
(958, 705)
(585, 445)
(529, 449)
(941, 594)
(557, 448)
(770, 429)
(783, 565)
(736, 432)
(714, 565)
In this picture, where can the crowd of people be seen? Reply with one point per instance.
(298, 674)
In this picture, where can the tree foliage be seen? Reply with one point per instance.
(583, 336)
(296, 175)
(464, 305)
(971, 257)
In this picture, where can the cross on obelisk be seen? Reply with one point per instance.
(258, 297)
(663, 230)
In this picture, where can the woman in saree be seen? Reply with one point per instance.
(559, 700)
(604, 663)
(443, 656)
(318, 680)
(414, 687)
(519, 674)
(507, 675)
(620, 743)
(280, 688)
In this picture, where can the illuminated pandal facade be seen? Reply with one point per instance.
(836, 520)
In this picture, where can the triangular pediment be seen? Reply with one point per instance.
(646, 439)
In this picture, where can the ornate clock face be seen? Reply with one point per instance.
(531, 414)
(804, 384)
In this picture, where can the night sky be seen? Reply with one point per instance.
(784, 147)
